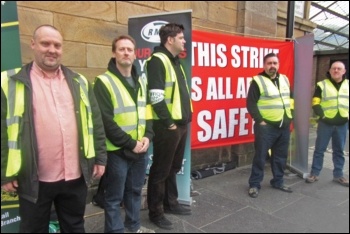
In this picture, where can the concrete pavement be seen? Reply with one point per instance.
(225, 207)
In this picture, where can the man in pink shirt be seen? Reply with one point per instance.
(52, 137)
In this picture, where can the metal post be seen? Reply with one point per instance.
(290, 19)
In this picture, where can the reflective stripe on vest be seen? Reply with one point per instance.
(129, 117)
(172, 91)
(334, 100)
(273, 101)
(87, 125)
(14, 92)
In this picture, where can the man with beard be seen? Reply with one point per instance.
(270, 104)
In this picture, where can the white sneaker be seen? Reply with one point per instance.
(142, 230)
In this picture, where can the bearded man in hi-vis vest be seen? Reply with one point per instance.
(270, 103)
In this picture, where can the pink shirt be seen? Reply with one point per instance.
(55, 126)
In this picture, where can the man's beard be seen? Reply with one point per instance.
(272, 71)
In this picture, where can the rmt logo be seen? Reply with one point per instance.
(150, 32)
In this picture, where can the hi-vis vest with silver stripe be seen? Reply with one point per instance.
(172, 91)
(273, 101)
(15, 94)
(334, 100)
(130, 118)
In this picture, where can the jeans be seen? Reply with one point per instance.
(277, 139)
(124, 182)
(324, 133)
(168, 153)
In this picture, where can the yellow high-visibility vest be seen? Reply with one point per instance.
(333, 100)
(172, 91)
(273, 101)
(15, 95)
(130, 117)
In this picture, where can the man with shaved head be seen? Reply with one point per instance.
(52, 137)
(331, 104)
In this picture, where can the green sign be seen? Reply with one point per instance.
(10, 45)
(10, 58)
(9, 213)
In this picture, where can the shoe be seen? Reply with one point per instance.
(179, 210)
(253, 192)
(98, 201)
(311, 179)
(194, 193)
(140, 230)
(163, 223)
(342, 181)
(283, 188)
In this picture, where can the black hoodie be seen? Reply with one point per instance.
(156, 80)
(114, 133)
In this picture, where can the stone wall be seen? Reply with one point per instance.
(88, 27)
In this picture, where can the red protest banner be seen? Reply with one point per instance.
(222, 68)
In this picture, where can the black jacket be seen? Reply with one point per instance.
(156, 80)
(28, 183)
(114, 133)
(252, 104)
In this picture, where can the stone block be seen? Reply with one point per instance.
(30, 19)
(74, 54)
(98, 56)
(153, 4)
(177, 5)
(230, 4)
(199, 10)
(26, 51)
(104, 10)
(126, 10)
(218, 13)
(244, 153)
(245, 159)
(209, 26)
(262, 8)
(264, 24)
(88, 30)
(202, 158)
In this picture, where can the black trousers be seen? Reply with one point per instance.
(168, 153)
(69, 198)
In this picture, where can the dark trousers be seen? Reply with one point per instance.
(277, 139)
(168, 153)
(69, 198)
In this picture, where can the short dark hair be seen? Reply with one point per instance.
(270, 55)
(169, 30)
(122, 37)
